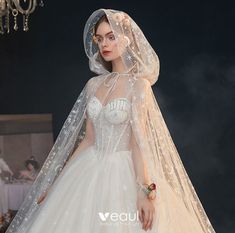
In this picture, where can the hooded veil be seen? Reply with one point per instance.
(155, 157)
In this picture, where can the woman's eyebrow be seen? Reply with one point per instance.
(105, 34)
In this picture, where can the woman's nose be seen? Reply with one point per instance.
(104, 42)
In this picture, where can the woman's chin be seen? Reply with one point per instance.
(108, 58)
(111, 58)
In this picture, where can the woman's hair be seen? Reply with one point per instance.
(102, 19)
(34, 163)
(106, 64)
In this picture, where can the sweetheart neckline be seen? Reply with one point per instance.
(118, 98)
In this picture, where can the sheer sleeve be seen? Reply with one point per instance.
(139, 140)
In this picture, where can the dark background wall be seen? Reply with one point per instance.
(44, 70)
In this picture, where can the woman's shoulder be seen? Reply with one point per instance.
(141, 85)
(95, 79)
(142, 82)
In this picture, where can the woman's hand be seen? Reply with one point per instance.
(146, 211)
(42, 197)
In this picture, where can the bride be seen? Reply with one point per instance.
(125, 175)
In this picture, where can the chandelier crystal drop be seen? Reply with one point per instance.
(12, 8)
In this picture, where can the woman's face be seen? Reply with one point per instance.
(110, 47)
(30, 167)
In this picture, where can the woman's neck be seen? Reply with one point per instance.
(118, 66)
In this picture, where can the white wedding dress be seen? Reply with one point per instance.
(99, 180)
(96, 191)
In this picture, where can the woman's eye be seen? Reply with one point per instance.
(112, 37)
(99, 39)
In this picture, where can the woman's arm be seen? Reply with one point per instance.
(25, 174)
(140, 150)
(144, 205)
(139, 165)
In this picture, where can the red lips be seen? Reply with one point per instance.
(106, 52)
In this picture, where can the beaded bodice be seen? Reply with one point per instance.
(111, 124)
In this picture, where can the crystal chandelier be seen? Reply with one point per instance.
(14, 7)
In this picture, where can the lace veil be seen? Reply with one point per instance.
(155, 156)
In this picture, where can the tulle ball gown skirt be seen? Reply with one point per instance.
(98, 195)
(91, 195)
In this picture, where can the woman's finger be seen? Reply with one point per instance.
(150, 219)
(153, 217)
(146, 218)
(143, 217)
(140, 215)
(147, 223)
